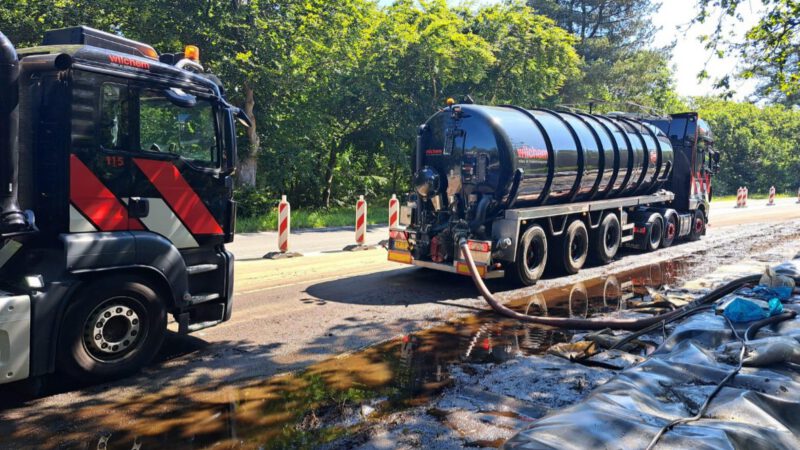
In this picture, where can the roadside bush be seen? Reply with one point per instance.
(254, 202)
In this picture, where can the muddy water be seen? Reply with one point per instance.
(330, 399)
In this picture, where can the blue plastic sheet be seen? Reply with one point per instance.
(744, 310)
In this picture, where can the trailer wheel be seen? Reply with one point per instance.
(670, 230)
(607, 239)
(114, 328)
(698, 225)
(531, 257)
(656, 233)
(573, 248)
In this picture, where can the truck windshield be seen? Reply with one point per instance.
(187, 132)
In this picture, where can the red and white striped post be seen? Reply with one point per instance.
(284, 230)
(394, 212)
(744, 202)
(361, 220)
(771, 196)
(739, 197)
(284, 224)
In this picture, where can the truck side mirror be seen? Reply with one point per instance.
(243, 118)
(231, 153)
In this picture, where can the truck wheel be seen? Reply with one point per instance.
(573, 248)
(656, 233)
(698, 225)
(670, 230)
(607, 239)
(114, 327)
(531, 257)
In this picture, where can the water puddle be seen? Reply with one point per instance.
(332, 398)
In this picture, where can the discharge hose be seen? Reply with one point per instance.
(599, 323)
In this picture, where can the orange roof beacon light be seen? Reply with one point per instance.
(192, 52)
(450, 102)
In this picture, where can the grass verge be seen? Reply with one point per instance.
(323, 218)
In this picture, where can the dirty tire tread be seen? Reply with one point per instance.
(600, 253)
(656, 231)
(669, 219)
(75, 361)
(563, 257)
(694, 235)
(518, 272)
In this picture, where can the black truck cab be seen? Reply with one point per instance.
(125, 164)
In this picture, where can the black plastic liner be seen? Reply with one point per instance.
(758, 409)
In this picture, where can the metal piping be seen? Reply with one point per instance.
(12, 219)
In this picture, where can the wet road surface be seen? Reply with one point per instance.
(297, 314)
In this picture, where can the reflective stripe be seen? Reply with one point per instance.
(180, 196)
(162, 220)
(78, 223)
(10, 249)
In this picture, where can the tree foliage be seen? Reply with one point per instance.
(770, 50)
(337, 89)
(614, 38)
(758, 145)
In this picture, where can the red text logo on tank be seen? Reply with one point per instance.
(526, 152)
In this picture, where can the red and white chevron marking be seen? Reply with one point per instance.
(771, 201)
(394, 213)
(284, 224)
(361, 220)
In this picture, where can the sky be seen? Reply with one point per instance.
(689, 56)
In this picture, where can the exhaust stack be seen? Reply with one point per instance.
(12, 219)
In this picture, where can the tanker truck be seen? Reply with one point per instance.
(535, 189)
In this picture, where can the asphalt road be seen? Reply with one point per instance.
(292, 313)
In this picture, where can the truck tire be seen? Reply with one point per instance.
(114, 327)
(607, 239)
(572, 248)
(655, 233)
(670, 230)
(531, 257)
(698, 225)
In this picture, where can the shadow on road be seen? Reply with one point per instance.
(400, 287)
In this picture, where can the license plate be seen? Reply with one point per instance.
(401, 245)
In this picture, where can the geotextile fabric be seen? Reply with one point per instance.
(758, 409)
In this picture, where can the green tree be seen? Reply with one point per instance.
(768, 50)
(614, 38)
(758, 145)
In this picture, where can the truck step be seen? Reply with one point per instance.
(203, 325)
(202, 298)
(201, 268)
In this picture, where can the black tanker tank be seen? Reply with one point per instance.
(536, 157)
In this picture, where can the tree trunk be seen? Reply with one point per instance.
(248, 165)
(326, 193)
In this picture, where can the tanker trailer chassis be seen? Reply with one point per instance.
(535, 190)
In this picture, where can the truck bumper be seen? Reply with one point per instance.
(15, 337)
(398, 253)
